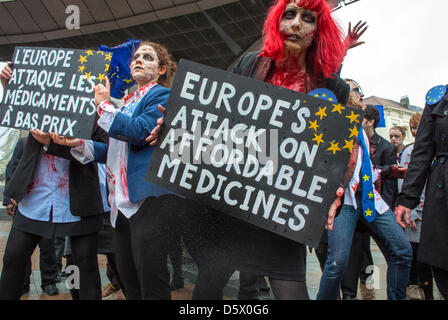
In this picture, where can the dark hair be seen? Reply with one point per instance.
(166, 60)
(372, 113)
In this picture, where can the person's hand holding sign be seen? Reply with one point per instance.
(66, 141)
(41, 137)
(102, 93)
(152, 138)
(6, 74)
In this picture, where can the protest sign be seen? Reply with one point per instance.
(264, 154)
(51, 89)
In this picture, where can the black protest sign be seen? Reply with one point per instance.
(264, 154)
(51, 89)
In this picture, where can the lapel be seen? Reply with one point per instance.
(142, 103)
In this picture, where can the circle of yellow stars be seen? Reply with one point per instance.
(335, 146)
(83, 59)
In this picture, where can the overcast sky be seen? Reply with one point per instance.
(406, 49)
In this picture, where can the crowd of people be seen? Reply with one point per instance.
(94, 193)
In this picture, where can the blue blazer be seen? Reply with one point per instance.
(134, 130)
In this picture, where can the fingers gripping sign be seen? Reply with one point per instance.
(40, 136)
(65, 141)
(6, 74)
(152, 138)
(102, 93)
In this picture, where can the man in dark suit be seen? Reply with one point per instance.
(47, 256)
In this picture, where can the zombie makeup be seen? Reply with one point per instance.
(396, 138)
(145, 65)
(298, 27)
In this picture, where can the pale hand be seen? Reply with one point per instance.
(351, 41)
(334, 207)
(102, 93)
(65, 141)
(41, 137)
(399, 216)
(152, 138)
(6, 74)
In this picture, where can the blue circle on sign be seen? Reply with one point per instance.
(325, 94)
(435, 94)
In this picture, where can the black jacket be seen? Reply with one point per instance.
(384, 156)
(84, 187)
(431, 143)
(12, 166)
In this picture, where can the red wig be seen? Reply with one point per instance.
(326, 52)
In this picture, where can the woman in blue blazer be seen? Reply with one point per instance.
(140, 211)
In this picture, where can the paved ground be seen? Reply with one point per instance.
(190, 272)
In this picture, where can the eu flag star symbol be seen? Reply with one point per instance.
(366, 177)
(349, 145)
(82, 59)
(101, 77)
(334, 147)
(353, 132)
(313, 125)
(370, 195)
(353, 117)
(321, 113)
(318, 138)
(368, 212)
(338, 108)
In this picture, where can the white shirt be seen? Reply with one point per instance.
(117, 156)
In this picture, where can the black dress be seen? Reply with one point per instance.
(431, 143)
(215, 237)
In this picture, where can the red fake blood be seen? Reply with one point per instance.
(123, 178)
(63, 184)
(49, 159)
(32, 185)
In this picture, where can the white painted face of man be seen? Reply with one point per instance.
(298, 27)
(145, 65)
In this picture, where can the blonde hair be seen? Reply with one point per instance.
(401, 129)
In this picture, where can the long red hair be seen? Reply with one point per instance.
(325, 54)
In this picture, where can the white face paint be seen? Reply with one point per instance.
(145, 65)
(298, 27)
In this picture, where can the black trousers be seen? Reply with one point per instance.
(142, 245)
(21, 245)
(47, 263)
(420, 272)
(248, 286)
(441, 278)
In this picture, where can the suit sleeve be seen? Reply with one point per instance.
(135, 130)
(12, 166)
(389, 187)
(421, 159)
